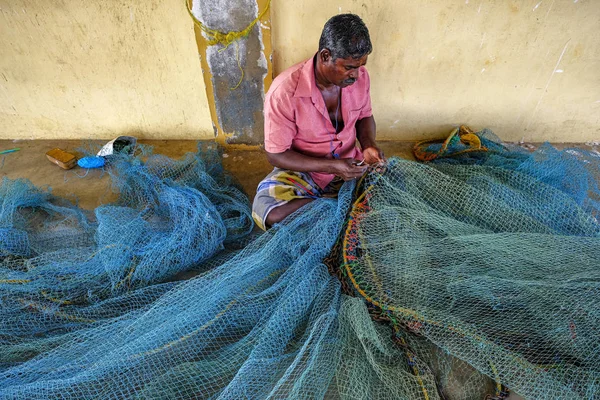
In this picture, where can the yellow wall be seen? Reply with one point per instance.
(98, 69)
(526, 69)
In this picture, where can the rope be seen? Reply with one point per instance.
(462, 134)
(225, 38)
(237, 56)
(15, 281)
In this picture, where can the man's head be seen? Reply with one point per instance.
(344, 47)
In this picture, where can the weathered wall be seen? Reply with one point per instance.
(97, 69)
(527, 69)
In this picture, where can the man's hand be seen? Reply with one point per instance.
(373, 155)
(348, 169)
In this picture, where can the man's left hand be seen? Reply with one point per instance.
(373, 155)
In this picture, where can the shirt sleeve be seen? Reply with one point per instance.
(280, 123)
(366, 111)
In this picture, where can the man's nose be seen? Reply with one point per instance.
(353, 75)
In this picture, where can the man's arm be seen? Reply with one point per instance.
(294, 161)
(365, 133)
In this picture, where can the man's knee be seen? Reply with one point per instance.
(278, 214)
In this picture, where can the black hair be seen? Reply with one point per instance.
(346, 35)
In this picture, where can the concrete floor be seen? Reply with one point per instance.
(92, 188)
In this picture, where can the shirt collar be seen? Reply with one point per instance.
(307, 86)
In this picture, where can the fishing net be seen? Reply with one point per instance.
(461, 278)
(263, 322)
(63, 268)
(492, 257)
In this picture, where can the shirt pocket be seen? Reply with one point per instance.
(352, 117)
(311, 124)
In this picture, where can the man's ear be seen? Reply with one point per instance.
(325, 55)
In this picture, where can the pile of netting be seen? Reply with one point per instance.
(63, 268)
(470, 276)
(486, 264)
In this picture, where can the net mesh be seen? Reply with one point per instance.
(63, 268)
(457, 279)
(491, 257)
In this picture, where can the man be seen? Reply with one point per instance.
(314, 112)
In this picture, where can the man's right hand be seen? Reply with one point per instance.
(347, 169)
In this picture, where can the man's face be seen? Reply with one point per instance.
(343, 72)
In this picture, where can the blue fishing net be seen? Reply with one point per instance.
(63, 268)
(462, 278)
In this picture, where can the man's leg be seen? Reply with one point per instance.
(278, 214)
(280, 194)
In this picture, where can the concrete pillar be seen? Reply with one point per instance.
(237, 72)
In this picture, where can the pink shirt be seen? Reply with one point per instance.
(296, 116)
